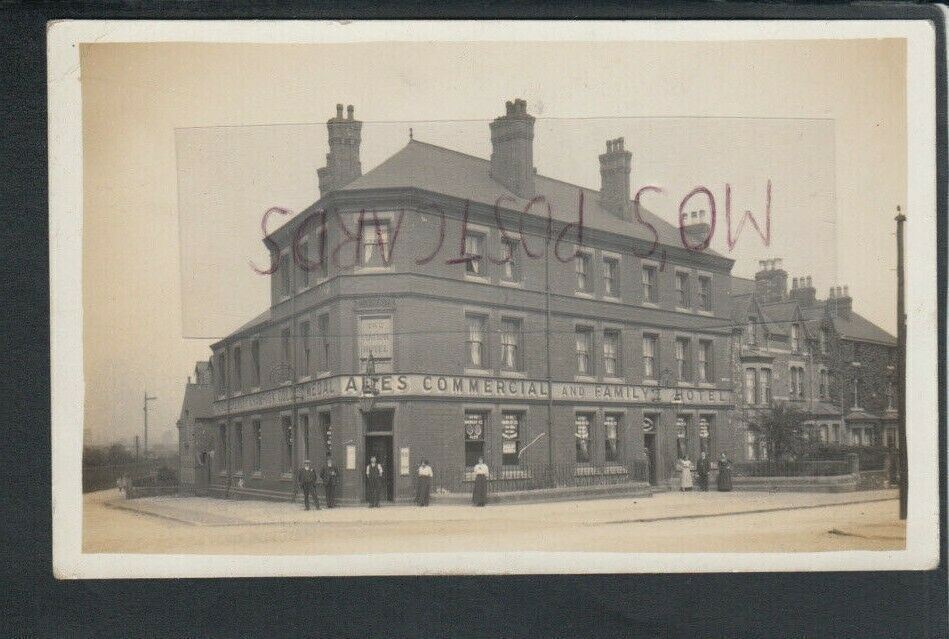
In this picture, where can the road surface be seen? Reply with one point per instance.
(666, 522)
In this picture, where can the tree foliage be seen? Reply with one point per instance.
(782, 430)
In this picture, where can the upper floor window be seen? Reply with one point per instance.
(284, 268)
(682, 359)
(323, 325)
(682, 289)
(285, 345)
(650, 356)
(375, 339)
(238, 382)
(795, 338)
(751, 387)
(582, 266)
(823, 387)
(705, 294)
(766, 385)
(705, 361)
(650, 284)
(511, 344)
(255, 360)
(477, 354)
(610, 277)
(611, 353)
(584, 338)
(797, 382)
(823, 338)
(375, 242)
(305, 339)
(257, 445)
(474, 248)
(304, 264)
(510, 269)
(222, 378)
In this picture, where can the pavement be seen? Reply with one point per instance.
(666, 522)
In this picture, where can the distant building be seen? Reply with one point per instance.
(194, 428)
(819, 355)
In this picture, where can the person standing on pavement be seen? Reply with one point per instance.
(329, 474)
(423, 487)
(724, 474)
(479, 496)
(703, 470)
(306, 478)
(684, 467)
(373, 482)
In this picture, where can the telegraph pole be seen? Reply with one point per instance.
(145, 411)
(901, 360)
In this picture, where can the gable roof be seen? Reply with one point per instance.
(197, 402)
(856, 327)
(434, 168)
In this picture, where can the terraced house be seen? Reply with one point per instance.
(820, 355)
(451, 307)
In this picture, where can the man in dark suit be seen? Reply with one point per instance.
(330, 476)
(306, 477)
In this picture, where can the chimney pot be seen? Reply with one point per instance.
(846, 291)
(622, 143)
(830, 293)
(339, 111)
(349, 112)
(342, 162)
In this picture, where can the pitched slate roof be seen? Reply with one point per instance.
(437, 169)
(856, 327)
(197, 402)
(742, 286)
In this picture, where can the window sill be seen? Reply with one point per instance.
(517, 374)
(255, 389)
(684, 309)
(612, 298)
(305, 378)
(584, 294)
(513, 472)
(705, 313)
(479, 372)
(286, 477)
(650, 382)
(614, 380)
(257, 474)
(706, 385)
(650, 304)
(480, 279)
(369, 270)
(511, 283)
(324, 375)
(584, 378)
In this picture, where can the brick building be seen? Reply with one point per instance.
(194, 428)
(821, 356)
(498, 325)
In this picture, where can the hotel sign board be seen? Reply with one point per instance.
(474, 388)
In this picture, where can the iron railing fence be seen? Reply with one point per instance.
(793, 468)
(528, 476)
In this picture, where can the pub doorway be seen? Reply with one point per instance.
(378, 425)
(649, 443)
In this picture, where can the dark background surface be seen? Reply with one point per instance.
(33, 604)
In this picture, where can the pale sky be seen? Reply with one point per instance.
(169, 153)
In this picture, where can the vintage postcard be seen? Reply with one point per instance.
(504, 297)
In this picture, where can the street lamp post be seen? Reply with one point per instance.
(145, 411)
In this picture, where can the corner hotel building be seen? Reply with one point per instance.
(485, 344)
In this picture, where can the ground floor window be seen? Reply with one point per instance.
(510, 438)
(474, 437)
(238, 447)
(611, 427)
(305, 430)
(257, 445)
(223, 437)
(835, 429)
(583, 423)
(327, 429)
(287, 428)
(755, 448)
(705, 434)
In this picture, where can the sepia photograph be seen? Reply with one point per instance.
(467, 298)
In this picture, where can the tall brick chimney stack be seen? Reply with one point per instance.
(342, 162)
(802, 290)
(615, 166)
(771, 281)
(512, 149)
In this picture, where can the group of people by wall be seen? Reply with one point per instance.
(702, 471)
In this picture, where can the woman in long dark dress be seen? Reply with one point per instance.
(724, 474)
(423, 487)
(373, 482)
(479, 496)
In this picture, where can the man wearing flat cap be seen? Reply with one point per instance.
(306, 478)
